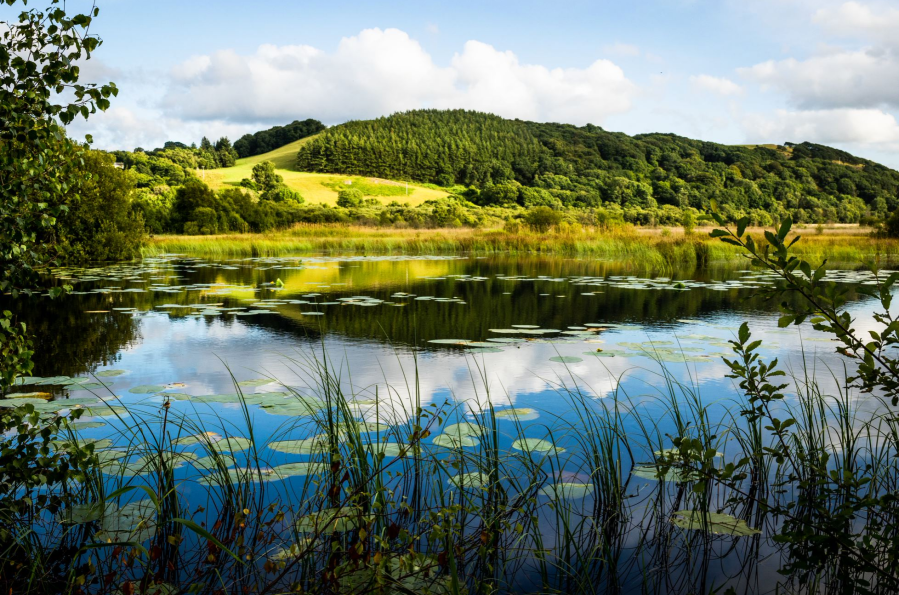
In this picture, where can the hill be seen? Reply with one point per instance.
(316, 188)
(532, 164)
(277, 136)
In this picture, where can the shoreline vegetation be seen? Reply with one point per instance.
(663, 249)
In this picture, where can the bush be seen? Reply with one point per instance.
(282, 193)
(100, 223)
(891, 226)
(542, 218)
(349, 198)
(206, 220)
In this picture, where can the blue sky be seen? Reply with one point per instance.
(720, 70)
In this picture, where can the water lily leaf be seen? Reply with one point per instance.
(653, 473)
(98, 443)
(332, 520)
(146, 389)
(454, 441)
(255, 382)
(449, 341)
(230, 444)
(208, 437)
(83, 513)
(86, 425)
(306, 446)
(110, 373)
(132, 522)
(213, 461)
(565, 359)
(465, 428)
(717, 523)
(106, 411)
(485, 350)
(474, 480)
(568, 491)
(525, 326)
(521, 414)
(536, 445)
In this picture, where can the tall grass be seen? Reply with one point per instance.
(383, 509)
(638, 248)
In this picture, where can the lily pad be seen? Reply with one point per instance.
(231, 444)
(86, 425)
(306, 446)
(472, 480)
(536, 445)
(449, 341)
(133, 522)
(332, 520)
(521, 414)
(255, 382)
(110, 373)
(455, 441)
(567, 491)
(147, 389)
(565, 359)
(653, 473)
(717, 523)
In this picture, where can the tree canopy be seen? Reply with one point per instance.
(268, 140)
(537, 164)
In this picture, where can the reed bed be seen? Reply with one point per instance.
(383, 509)
(638, 248)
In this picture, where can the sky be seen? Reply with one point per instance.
(736, 72)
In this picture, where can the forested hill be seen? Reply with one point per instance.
(558, 164)
(264, 141)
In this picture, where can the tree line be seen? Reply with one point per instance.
(528, 163)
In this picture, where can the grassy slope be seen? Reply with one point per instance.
(307, 184)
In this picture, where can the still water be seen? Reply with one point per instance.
(452, 333)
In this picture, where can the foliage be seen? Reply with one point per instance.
(99, 223)
(281, 193)
(824, 542)
(267, 140)
(349, 198)
(543, 218)
(264, 176)
(891, 226)
(39, 58)
(15, 351)
(588, 167)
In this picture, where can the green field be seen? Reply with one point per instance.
(316, 188)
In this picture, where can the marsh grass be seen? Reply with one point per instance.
(409, 516)
(637, 248)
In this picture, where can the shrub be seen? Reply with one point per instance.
(891, 226)
(100, 223)
(349, 198)
(282, 193)
(542, 218)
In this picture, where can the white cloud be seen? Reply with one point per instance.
(861, 20)
(863, 78)
(717, 85)
(381, 71)
(835, 126)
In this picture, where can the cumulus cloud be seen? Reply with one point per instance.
(834, 126)
(863, 78)
(381, 71)
(860, 20)
(717, 85)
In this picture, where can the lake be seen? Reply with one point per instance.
(588, 369)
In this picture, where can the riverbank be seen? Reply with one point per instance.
(650, 248)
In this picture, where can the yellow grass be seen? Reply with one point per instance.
(310, 185)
